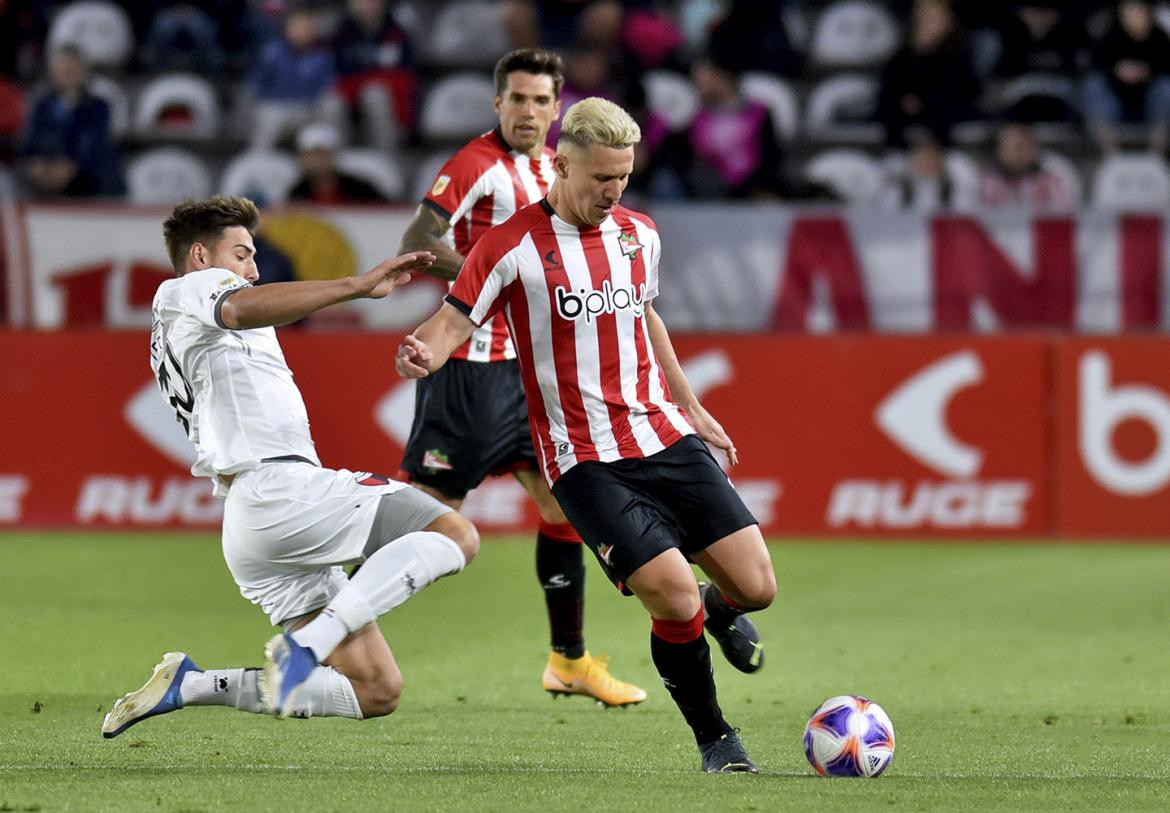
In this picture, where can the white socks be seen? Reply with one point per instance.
(326, 693)
(391, 575)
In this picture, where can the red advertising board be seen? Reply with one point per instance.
(1010, 436)
(1112, 466)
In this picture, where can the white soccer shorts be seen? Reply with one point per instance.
(288, 528)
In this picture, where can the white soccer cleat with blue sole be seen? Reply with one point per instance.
(287, 665)
(159, 695)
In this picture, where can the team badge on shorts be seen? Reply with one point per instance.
(435, 460)
(366, 478)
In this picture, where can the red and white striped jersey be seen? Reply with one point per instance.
(481, 186)
(575, 302)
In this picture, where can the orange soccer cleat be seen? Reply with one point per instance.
(589, 676)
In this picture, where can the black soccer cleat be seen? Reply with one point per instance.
(726, 755)
(737, 635)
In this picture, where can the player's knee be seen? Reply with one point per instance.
(761, 591)
(669, 599)
(379, 697)
(459, 530)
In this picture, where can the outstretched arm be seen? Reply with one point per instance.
(425, 233)
(283, 302)
(429, 347)
(706, 427)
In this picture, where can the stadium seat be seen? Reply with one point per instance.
(111, 92)
(458, 107)
(841, 108)
(1067, 170)
(1132, 182)
(853, 175)
(263, 175)
(780, 99)
(425, 172)
(178, 105)
(672, 96)
(167, 175)
(1039, 97)
(101, 30)
(376, 168)
(468, 33)
(853, 33)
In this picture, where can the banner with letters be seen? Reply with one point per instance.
(1023, 436)
(725, 267)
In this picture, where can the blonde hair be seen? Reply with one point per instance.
(599, 121)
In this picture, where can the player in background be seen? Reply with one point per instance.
(614, 418)
(471, 419)
(289, 524)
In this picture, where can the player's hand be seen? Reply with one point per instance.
(708, 429)
(412, 358)
(393, 273)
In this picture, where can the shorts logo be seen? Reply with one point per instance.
(629, 245)
(591, 304)
(365, 478)
(436, 461)
(605, 552)
(440, 185)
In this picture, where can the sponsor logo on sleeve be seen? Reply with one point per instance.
(440, 185)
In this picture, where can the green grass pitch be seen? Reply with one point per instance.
(1033, 677)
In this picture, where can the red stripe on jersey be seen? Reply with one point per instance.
(564, 347)
(608, 348)
(517, 183)
(538, 421)
(658, 421)
(534, 165)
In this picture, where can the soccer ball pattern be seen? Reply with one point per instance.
(849, 736)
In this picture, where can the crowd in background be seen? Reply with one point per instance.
(975, 104)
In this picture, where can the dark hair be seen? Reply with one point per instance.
(530, 60)
(204, 221)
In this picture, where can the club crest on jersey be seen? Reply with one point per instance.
(629, 245)
(435, 460)
(592, 304)
(367, 478)
(440, 185)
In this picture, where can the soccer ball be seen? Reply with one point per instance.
(849, 736)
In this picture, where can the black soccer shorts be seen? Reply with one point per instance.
(470, 421)
(630, 511)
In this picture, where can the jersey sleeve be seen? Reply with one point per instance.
(460, 183)
(652, 266)
(479, 290)
(201, 294)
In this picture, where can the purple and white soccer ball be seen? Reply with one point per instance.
(849, 736)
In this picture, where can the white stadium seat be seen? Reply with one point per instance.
(468, 33)
(1051, 93)
(374, 167)
(672, 96)
(853, 175)
(101, 30)
(780, 98)
(425, 172)
(1132, 182)
(853, 33)
(167, 175)
(841, 107)
(458, 107)
(266, 174)
(112, 94)
(178, 105)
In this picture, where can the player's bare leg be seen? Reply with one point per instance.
(390, 575)
(667, 588)
(743, 581)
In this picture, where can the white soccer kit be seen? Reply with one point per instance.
(288, 526)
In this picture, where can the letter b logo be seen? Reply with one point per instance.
(1102, 409)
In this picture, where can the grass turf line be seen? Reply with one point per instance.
(1029, 677)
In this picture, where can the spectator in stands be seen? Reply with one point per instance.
(23, 28)
(754, 36)
(587, 73)
(1130, 80)
(321, 181)
(730, 149)
(376, 76)
(291, 76)
(922, 182)
(559, 24)
(1040, 37)
(183, 37)
(930, 81)
(67, 148)
(1020, 175)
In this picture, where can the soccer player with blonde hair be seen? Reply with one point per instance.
(618, 428)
